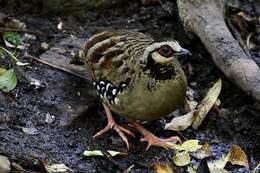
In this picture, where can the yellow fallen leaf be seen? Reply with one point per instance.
(180, 122)
(162, 168)
(189, 145)
(56, 168)
(206, 104)
(90, 153)
(181, 158)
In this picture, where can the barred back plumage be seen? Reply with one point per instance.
(115, 53)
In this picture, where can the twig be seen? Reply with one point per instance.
(237, 36)
(256, 168)
(109, 157)
(182, 135)
(3, 29)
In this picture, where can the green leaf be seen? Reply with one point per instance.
(181, 158)
(12, 37)
(190, 146)
(8, 80)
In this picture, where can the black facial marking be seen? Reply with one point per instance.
(159, 71)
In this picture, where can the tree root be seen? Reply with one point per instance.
(205, 19)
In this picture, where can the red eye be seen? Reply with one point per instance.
(165, 51)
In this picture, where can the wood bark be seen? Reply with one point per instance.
(205, 19)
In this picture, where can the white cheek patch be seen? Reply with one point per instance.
(161, 59)
(156, 56)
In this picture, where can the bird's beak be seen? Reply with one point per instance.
(183, 52)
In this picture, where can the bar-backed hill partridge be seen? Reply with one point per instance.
(137, 78)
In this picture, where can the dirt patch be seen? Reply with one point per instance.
(65, 95)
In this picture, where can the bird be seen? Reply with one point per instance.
(137, 78)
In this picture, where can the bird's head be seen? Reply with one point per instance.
(160, 59)
(165, 52)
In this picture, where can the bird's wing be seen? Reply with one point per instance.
(113, 55)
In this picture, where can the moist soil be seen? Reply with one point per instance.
(78, 114)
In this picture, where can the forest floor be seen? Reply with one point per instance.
(65, 95)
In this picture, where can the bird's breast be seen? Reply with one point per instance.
(147, 98)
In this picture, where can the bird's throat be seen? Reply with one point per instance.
(160, 71)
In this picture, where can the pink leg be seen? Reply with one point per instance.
(111, 124)
(154, 140)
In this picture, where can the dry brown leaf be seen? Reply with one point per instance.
(220, 163)
(93, 153)
(180, 122)
(206, 104)
(57, 168)
(190, 105)
(203, 152)
(162, 168)
(238, 156)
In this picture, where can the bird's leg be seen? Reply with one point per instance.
(154, 140)
(111, 124)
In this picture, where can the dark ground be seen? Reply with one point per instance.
(26, 107)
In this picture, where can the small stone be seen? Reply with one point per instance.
(49, 118)
(44, 46)
(193, 84)
(4, 164)
(30, 130)
(28, 37)
(72, 144)
(59, 26)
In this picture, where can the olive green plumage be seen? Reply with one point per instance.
(135, 76)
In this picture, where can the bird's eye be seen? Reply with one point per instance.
(165, 51)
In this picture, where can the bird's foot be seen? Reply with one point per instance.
(111, 124)
(165, 143)
(154, 140)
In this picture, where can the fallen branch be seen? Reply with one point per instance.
(4, 29)
(205, 19)
(59, 67)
